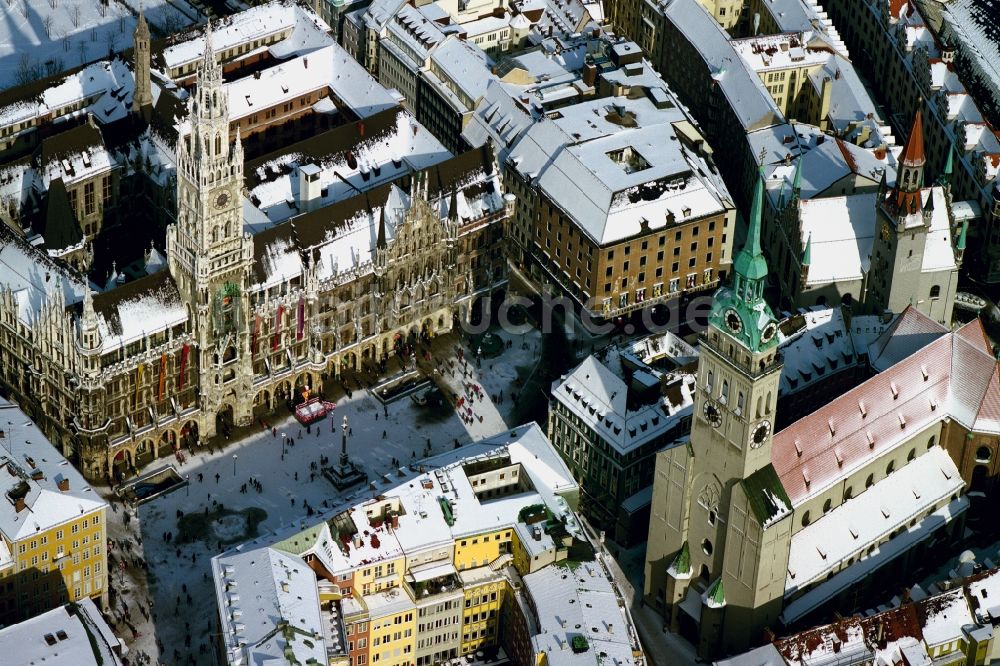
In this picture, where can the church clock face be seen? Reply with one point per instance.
(733, 321)
(769, 332)
(712, 413)
(222, 199)
(759, 434)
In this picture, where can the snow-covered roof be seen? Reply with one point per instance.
(104, 88)
(77, 635)
(257, 591)
(825, 162)
(972, 25)
(33, 470)
(139, 309)
(944, 616)
(816, 344)
(33, 278)
(579, 601)
(596, 391)
(616, 165)
(842, 230)
(748, 98)
(909, 332)
(306, 32)
(352, 158)
(781, 51)
(844, 535)
(465, 67)
(803, 16)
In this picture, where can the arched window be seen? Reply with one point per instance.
(983, 454)
(725, 390)
(827, 505)
(805, 519)
(870, 481)
(911, 455)
(935, 291)
(890, 468)
(931, 442)
(848, 493)
(218, 144)
(706, 547)
(711, 379)
(847, 299)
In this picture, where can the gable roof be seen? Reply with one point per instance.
(912, 330)
(60, 227)
(949, 377)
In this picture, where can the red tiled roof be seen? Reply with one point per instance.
(913, 151)
(911, 331)
(825, 445)
(950, 377)
(890, 626)
(974, 333)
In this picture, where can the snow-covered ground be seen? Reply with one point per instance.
(375, 439)
(43, 37)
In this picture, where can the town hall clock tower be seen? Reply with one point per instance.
(708, 562)
(209, 254)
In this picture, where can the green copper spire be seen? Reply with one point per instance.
(807, 254)
(949, 164)
(682, 563)
(715, 595)
(962, 235)
(740, 309)
(750, 263)
(797, 182)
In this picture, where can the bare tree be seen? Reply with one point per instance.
(65, 41)
(23, 74)
(24, 9)
(74, 14)
(53, 3)
(47, 24)
(82, 47)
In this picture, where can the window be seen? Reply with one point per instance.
(890, 468)
(711, 517)
(870, 481)
(827, 505)
(935, 291)
(706, 547)
(805, 519)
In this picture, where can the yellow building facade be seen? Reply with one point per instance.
(53, 539)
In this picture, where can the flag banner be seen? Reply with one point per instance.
(163, 377)
(301, 324)
(184, 361)
(277, 327)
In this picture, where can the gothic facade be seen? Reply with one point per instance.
(235, 324)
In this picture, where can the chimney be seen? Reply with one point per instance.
(589, 74)
(394, 518)
(309, 187)
(63, 484)
(19, 504)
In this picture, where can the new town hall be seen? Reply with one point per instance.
(231, 324)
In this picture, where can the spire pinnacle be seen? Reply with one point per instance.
(750, 263)
(797, 182)
(962, 236)
(913, 151)
(380, 241)
(807, 253)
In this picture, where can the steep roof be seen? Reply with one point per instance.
(60, 226)
(948, 377)
(910, 331)
(913, 151)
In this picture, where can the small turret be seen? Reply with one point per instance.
(806, 261)
(797, 182)
(142, 96)
(960, 244)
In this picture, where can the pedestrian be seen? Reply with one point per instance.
(384, 434)
(293, 501)
(217, 477)
(350, 431)
(376, 417)
(296, 476)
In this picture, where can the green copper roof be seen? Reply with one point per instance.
(740, 310)
(716, 594)
(682, 563)
(963, 234)
(766, 496)
(949, 164)
(797, 182)
(750, 261)
(807, 254)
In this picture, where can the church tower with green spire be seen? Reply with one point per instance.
(721, 492)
